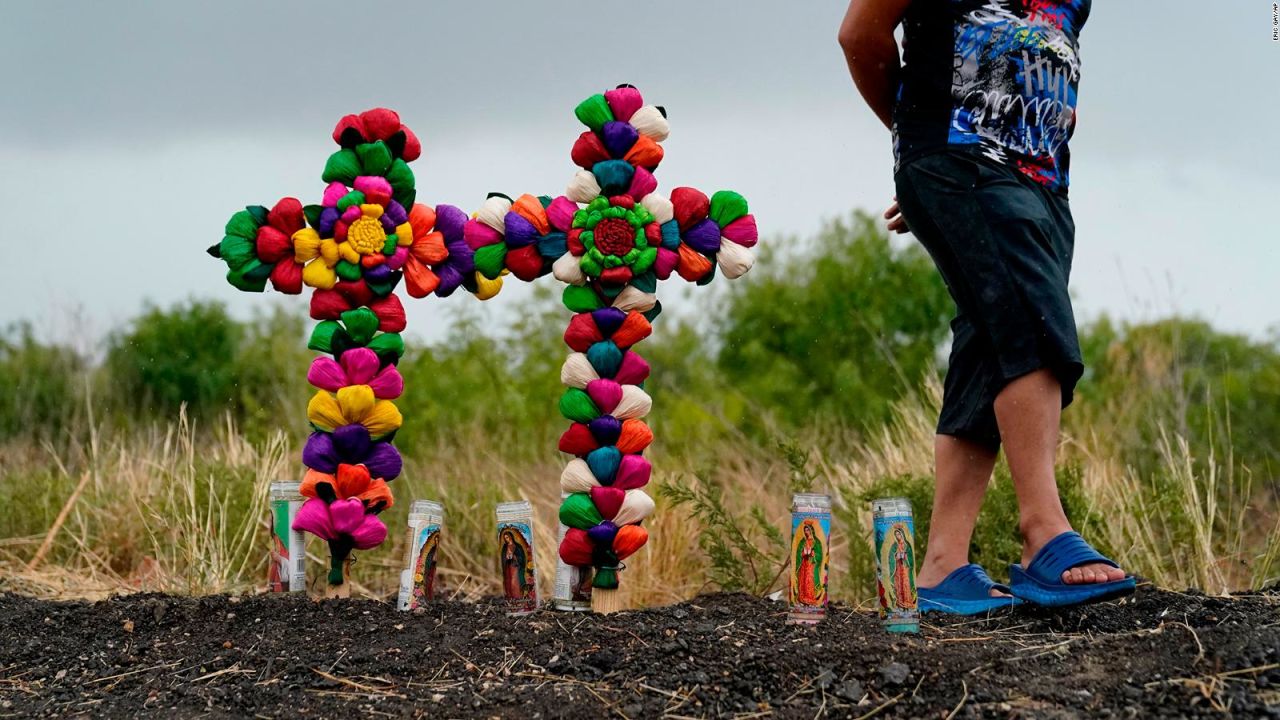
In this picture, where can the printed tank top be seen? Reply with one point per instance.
(996, 77)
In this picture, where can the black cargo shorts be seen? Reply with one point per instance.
(1003, 244)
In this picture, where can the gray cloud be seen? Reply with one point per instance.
(131, 130)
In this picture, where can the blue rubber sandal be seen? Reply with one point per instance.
(1041, 581)
(966, 591)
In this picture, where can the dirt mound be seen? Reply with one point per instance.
(1157, 654)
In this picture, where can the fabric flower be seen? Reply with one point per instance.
(354, 404)
(364, 210)
(615, 239)
(259, 246)
(378, 124)
(716, 231)
(359, 366)
(514, 236)
(426, 248)
(333, 304)
(362, 233)
(350, 481)
(341, 519)
(460, 262)
(356, 329)
(621, 127)
(351, 444)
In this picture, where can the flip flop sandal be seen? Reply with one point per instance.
(1041, 581)
(966, 591)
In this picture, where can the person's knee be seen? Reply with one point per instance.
(1037, 384)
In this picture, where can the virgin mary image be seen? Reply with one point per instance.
(515, 583)
(809, 587)
(901, 578)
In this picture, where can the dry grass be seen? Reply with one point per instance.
(183, 510)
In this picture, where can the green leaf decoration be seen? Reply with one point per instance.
(375, 158)
(646, 281)
(388, 346)
(490, 259)
(594, 112)
(237, 251)
(312, 213)
(256, 270)
(259, 214)
(577, 511)
(401, 177)
(322, 336)
(361, 324)
(343, 166)
(242, 225)
(590, 266)
(384, 287)
(242, 280)
(645, 261)
(580, 298)
(577, 406)
(727, 206)
(347, 271)
(355, 197)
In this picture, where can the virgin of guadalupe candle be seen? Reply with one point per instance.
(515, 557)
(894, 526)
(288, 568)
(573, 582)
(418, 579)
(810, 557)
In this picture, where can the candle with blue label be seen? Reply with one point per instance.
(810, 557)
(418, 579)
(894, 529)
(515, 557)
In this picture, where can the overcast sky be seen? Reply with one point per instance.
(129, 132)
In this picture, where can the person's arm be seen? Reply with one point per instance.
(866, 35)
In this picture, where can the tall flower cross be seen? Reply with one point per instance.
(611, 238)
(353, 249)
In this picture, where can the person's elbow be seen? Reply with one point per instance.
(861, 42)
(848, 37)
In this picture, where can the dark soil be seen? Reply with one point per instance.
(1156, 654)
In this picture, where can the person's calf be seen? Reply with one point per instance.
(962, 472)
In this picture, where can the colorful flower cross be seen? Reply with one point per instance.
(610, 238)
(353, 248)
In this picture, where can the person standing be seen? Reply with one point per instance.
(981, 108)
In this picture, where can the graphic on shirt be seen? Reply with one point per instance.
(1015, 74)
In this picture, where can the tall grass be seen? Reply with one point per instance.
(182, 509)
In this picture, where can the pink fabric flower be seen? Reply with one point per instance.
(358, 366)
(330, 521)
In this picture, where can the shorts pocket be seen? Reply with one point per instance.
(943, 170)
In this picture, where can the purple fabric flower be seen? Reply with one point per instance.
(450, 222)
(350, 444)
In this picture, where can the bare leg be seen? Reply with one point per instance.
(1028, 412)
(962, 472)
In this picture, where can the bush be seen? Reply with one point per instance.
(170, 358)
(43, 386)
(838, 333)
